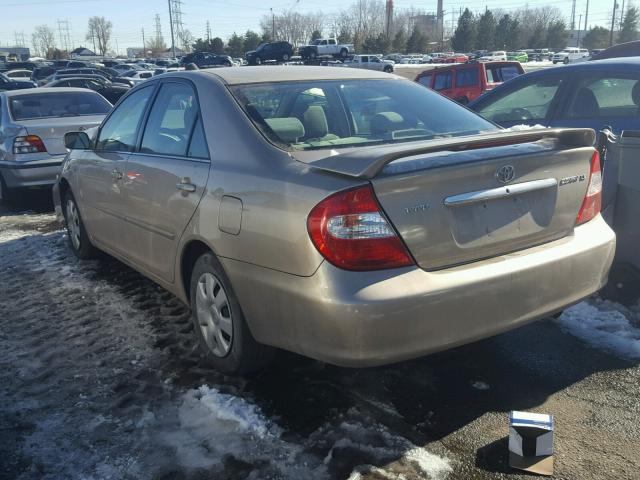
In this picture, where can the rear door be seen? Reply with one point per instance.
(165, 178)
(443, 82)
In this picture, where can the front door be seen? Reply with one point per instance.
(166, 178)
(101, 171)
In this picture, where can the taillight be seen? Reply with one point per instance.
(593, 199)
(349, 229)
(28, 144)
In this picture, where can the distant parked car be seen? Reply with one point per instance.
(7, 83)
(81, 72)
(456, 58)
(588, 94)
(569, 54)
(272, 51)
(207, 60)
(24, 75)
(519, 56)
(110, 91)
(32, 128)
(464, 83)
(323, 47)
(497, 56)
(540, 54)
(137, 76)
(369, 62)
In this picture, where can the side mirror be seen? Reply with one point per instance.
(77, 141)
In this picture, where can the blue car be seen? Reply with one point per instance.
(7, 83)
(590, 94)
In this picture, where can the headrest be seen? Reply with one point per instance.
(384, 122)
(315, 121)
(289, 129)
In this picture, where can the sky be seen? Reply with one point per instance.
(129, 17)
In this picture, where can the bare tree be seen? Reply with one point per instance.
(294, 27)
(43, 40)
(100, 32)
(185, 39)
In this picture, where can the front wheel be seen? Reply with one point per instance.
(388, 69)
(343, 53)
(220, 326)
(285, 57)
(313, 55)
(76, 232)
(554, 62)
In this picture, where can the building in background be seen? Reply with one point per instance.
(16, 54)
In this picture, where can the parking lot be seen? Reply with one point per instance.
(100, 378)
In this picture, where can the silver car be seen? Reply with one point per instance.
(348, 215)
(33, 123)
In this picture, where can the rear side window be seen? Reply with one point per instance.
(425, 80)
(120, 131)
(198, 145)
(467, 77)
(171, 121)
(529, 101)
(443, 81)
(497, 74)
(57, 105)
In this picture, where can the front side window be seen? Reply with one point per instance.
(57, 105)
(529, 101)
(347, 113)
(120, 131)
(171, 121)
(605, 97)
(443, 81)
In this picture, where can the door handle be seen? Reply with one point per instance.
(185, 185)
(116, 174)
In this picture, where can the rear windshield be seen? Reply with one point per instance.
(344, 113)
(51, 105)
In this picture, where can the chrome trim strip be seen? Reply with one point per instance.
(500, 192)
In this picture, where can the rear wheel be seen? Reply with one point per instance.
(388, 69)
(220, 326)
(257, 61)
(6, 194)
(285, 57)
(78, 238)
(565, 61)
(554, 62)
(343, 53)
(312, 55)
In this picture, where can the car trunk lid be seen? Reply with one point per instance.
(52, 130)
(459, 200)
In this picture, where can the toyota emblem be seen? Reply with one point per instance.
(505, 174)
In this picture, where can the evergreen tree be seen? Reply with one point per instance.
(507, 33)
(217, 45)
(538, 39)
(251, 41)
(597, 37)
(399, 43)
(235, 45)
(629, 26)
(464, 38)
(486, 31)
(417, 42)
(557, 33)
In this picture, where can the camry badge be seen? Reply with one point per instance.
(505, 174)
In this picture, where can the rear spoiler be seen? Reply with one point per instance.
(367, 162)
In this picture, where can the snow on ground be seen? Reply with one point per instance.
(605, 325)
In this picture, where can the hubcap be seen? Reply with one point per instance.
(214, 314)
(73, 224)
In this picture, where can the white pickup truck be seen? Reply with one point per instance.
(569, 54)
(326, 47)
(370, 62)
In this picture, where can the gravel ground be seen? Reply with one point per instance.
(100, 379)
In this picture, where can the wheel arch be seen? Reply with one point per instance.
(191, 251)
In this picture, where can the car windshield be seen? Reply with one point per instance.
(58, 104)
(345, 113)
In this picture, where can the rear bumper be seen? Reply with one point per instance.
(364, 319)
(31, 173)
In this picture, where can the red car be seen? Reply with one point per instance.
(456, 58)
(467, 82)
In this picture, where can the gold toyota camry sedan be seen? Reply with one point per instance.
(348, 215)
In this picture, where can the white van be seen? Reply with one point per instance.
(569, 54)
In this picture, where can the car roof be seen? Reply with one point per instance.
(268, 74)
(47, 90)
(631, 63)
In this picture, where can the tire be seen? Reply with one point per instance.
(285, 57)
(76, 232)
(463, 100)
(220, 327)
(343, 53)
(312, 55)
(554, 62)
(388, 69)
(6, 193)
(566, 61)
(257, 61)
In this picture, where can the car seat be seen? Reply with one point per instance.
(585, 104)
(315, 124)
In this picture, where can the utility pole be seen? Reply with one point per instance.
(586, 16)
(173, 42)
(273, 25)
(579, 24)
(573, 16)
(144, 44)
(117, 48)
(208, 32)
(621, 15)
(613, 22)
